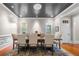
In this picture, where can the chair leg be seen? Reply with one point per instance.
(52, 49)
(29, 50)
(25, 48)
(18, 48)
(45, 49)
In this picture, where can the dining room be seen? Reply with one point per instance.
(35, 29)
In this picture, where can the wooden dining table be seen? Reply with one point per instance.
(41, 40)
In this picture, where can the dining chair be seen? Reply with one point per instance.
(49, 40)
(14, 36)
(32, 42)
(21, 42)
(58, 40)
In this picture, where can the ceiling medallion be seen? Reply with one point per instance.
(37, 6)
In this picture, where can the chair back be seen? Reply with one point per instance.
(14, 36)
(21, 39)
(33, 39)
(49, 40)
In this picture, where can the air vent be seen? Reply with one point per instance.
(65, 21)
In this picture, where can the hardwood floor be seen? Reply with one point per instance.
(5, 50)
(72, 48)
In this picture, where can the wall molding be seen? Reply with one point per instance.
(70, 10)
(8, 10)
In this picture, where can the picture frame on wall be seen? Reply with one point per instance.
(56, 28)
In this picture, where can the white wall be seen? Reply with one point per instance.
(36, 24)
(8, 22)
(57, 23)
(76, 28)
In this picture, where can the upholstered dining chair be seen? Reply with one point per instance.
(21, 42)
(49, 40)
(33, 41)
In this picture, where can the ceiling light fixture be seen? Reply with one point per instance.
(12, 6)
(37, 6)
(20, 15)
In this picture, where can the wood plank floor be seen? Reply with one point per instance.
(5, 50)
(72, 48)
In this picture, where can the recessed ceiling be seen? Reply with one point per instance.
(25, 10)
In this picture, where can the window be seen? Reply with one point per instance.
(48, 29)
(24, 28)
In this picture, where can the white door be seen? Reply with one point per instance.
(66, 32)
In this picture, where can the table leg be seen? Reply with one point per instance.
(59, 44)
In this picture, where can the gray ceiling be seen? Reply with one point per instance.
(26, 9)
